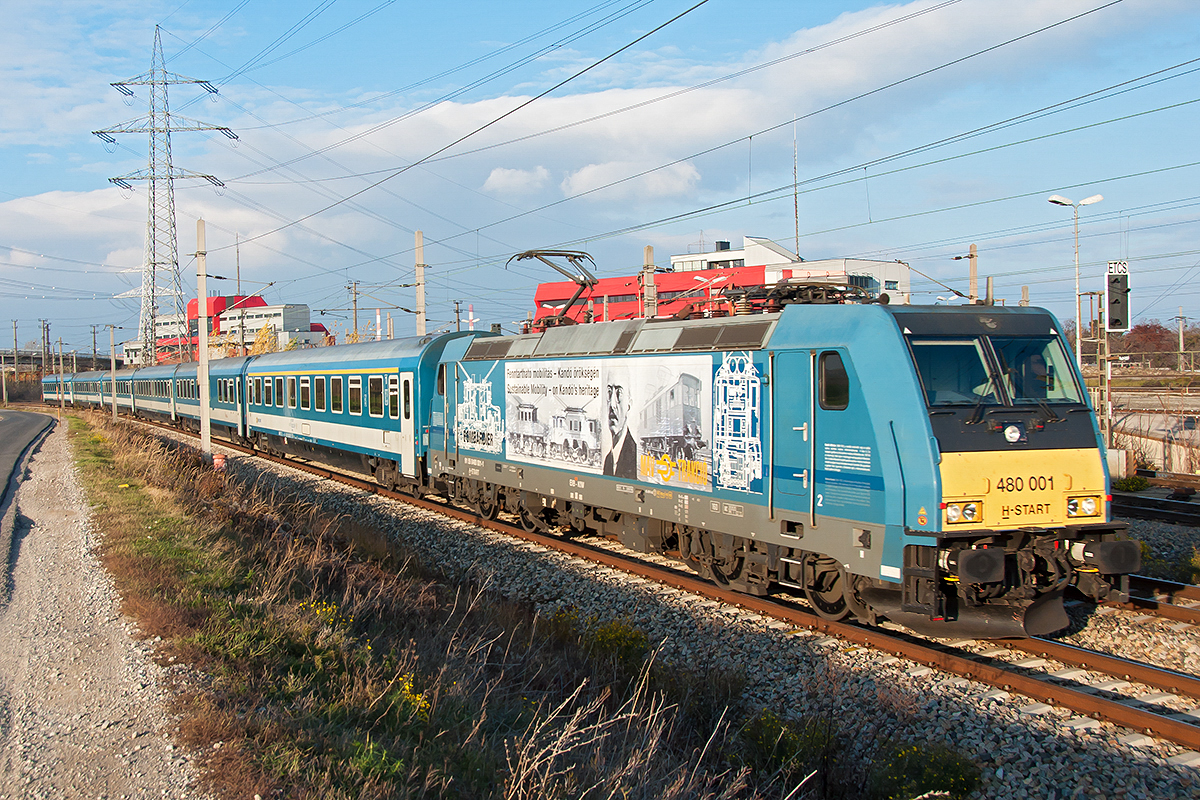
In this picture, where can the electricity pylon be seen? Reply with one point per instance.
(162, 249)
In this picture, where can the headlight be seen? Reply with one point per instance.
(1083, 506)
(969, 511)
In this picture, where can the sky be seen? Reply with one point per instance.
(917, 129)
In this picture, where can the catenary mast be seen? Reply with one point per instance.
(160, 266)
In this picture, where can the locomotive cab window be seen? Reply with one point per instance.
(954, 371)
(835, 382)
(441, 379)
(1035, 369)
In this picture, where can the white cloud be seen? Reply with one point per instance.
(674, 181)
(516, 181)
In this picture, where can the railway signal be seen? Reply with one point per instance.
(1116, 297)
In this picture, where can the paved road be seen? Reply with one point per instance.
(17, 430)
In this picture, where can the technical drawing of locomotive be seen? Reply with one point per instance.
(737, 403)
(478, 420)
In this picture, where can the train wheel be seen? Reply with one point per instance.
(826, 589)
(486, 506)
(528, 521)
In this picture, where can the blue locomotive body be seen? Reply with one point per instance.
(935, 466)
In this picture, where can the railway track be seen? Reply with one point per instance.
(1091, 702)
(1182, 512)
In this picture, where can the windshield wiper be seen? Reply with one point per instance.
(1047, 411)
(977, 414)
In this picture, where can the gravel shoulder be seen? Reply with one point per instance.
(82, 703)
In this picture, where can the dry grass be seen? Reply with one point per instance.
(333, 664)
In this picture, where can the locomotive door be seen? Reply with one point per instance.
(792, 402)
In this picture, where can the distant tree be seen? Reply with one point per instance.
(1149, 341)
(265, 341)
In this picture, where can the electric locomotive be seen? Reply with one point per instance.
(936, 466)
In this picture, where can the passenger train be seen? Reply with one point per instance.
(939, 467)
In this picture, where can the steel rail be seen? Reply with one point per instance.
(1177, 511)
(930, 655)
(1170, 591)
(1134, 671)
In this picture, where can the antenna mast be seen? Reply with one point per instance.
(162, 248)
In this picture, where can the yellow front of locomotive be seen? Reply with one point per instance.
(1000, 490)
(1023, 511)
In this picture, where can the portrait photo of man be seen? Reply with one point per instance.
(621, 460)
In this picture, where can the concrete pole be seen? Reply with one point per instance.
(1181, 338)
(378, 325)
(649, 290)
(4, 384)
(1024, 295)
(354, 303)
(1079, 305)
(420, 284)
(973, 284)
(202, 314)
(62, 390)
(112, 365)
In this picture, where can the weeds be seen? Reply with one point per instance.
(332, 664)
(1131, 483)
(908, 771)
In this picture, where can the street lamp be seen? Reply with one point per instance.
(1059, 200)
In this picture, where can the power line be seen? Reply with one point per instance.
(490, 123)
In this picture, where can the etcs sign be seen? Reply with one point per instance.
(1116, 297)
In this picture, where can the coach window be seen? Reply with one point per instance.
(258, 391)
(835, 383)
(304, 394)
(319, 393)
(356, 395)
(279, 391)
(407, 400)
(335, 395)
(291, 393)
(375, 396)
(393, 397)
(220, 390)
(267, 392)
